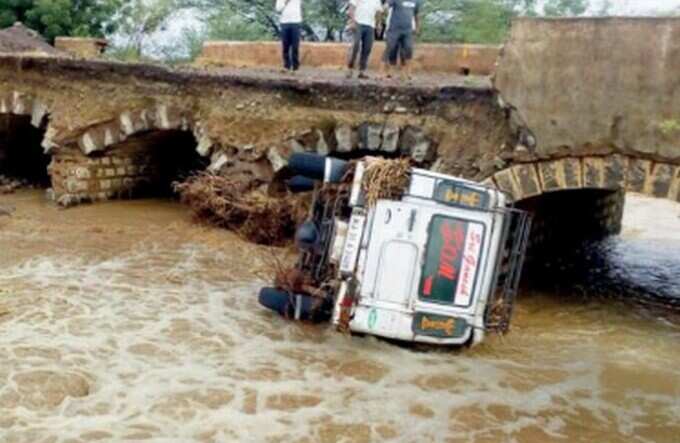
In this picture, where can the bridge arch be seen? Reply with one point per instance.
(23, 124)
(579, 199)
(608, 172)
(137, 152)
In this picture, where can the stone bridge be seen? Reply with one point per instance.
(586, 107)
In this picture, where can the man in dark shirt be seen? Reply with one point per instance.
(403, 22)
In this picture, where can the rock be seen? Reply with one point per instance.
(530, 139)
(217, 160)
(277, 160)
(345, 138)
(296, 146)
(204, 146)
(82, 173)
(321, 145)
(370, 136)
(414, 142)
(88, 144)
(400, 110)
(390, 138)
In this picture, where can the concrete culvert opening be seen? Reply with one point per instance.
(147, 164)
(563, 219)
(580, 246)
(23, 161)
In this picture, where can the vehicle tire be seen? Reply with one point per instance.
(300, 183)
(307, 165)
(274, 299)
(307, 236)
(285, 304)
(317, 167)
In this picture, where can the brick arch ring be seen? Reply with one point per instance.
(614, 172)
(24, 104)
(101, 136)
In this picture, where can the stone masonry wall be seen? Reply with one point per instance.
(612, 172)
(77, 178)
(594, 86)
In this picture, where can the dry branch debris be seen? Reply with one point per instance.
(385, 179)
(250, 212)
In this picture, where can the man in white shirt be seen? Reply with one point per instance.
(362, 15)
(291, 22)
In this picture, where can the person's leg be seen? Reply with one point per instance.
(295, 47)
(285, 43)
(353, 49)
(391, 50)
(384, 60)
(407, 47)
(366, 47)
(408, 53)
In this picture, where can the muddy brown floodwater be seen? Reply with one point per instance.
(125, 321)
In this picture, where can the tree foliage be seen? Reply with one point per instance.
(138, 19)
(53, 18)
(486, 21)
(323, 19)
(557, 8)
(467, 21)
(470, 21)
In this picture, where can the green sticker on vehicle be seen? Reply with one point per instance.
(372, 318)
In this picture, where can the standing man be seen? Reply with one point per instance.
(363, 15)
(403, 24)
(291, 22)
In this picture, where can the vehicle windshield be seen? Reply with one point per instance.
(452, 256)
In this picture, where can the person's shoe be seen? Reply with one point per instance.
(362, 75)
(349, 74)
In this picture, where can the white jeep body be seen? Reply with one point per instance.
(421, 269)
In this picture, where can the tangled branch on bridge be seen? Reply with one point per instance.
(249, 212)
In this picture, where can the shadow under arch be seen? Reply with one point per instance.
(23, 124)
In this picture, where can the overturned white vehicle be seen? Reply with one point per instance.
(437, 263)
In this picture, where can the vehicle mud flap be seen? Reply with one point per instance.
(293, 306)
(344, 305)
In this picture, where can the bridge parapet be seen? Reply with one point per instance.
(463, 59)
